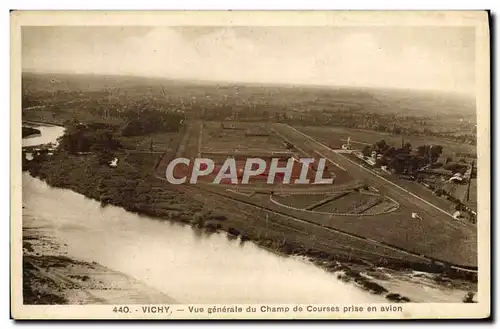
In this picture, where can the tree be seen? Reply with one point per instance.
(367, 151)
(422, 150)
(151, 121)
(435, 152)
(74, 140)
(381, 146)
(430, 152)
(456, 167)
(468, 298)
(103, 140)
(398, 164)
(391, 152)
(80, 138)
(407, 148)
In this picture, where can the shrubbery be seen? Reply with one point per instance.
(88, 138)
(147, 122)
(456, 167)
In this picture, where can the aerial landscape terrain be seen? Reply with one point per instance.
(403, 164)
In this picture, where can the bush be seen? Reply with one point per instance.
(150, 121)
(233, 231)
(456, 167)
(83, 138)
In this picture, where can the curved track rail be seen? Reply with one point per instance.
(328, 228)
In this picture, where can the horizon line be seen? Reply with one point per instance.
(275, 84)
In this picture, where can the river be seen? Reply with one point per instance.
(182, 262)
(48, 134)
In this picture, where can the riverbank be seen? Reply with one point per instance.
(51, 277)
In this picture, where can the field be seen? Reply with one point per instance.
(237, 139)
(436, 234)
(346, 204)
(303, 201)
(335, 137)
(208, 95)
(352, 203)
(159, 142)
(241, 141)
(257, 218)
(449, 241)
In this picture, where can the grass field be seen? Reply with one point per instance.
(384, 206)
(63, 113)
(219, 139)
(161, 142)
(300, 201)
(259, 221)
(335, 137)
(436, 235)
(354, 203)
(346, 204)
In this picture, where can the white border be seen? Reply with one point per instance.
(199, 4)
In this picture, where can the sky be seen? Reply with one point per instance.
(428, 58)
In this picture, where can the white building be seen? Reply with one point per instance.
(114, 163)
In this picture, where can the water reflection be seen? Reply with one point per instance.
(49, 134)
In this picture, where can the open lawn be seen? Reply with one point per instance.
(334, 137)
(160, 142)
(300, 201)
(345, 204)
(244, 138)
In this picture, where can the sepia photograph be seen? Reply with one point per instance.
(250, 165)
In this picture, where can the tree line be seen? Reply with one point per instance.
(152, 121)
(404, 159)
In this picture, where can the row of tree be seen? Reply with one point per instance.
(95, 137)
(152, 121)
(404, 159)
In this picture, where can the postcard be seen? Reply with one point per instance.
(250, 165)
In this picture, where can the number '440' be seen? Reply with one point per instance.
(121, 309)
